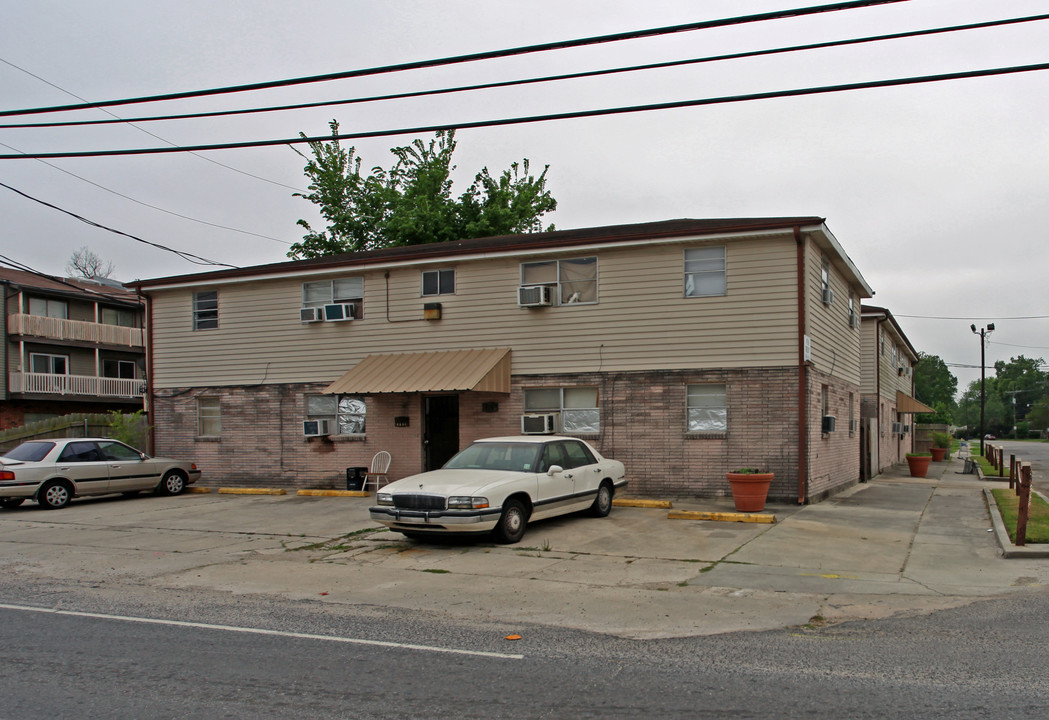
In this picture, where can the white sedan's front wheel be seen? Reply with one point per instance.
(173, 483)
(603, 502)
(512, 523)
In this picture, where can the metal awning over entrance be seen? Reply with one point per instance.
(485, 370)
(906, 404)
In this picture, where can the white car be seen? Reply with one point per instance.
(499, 485)
(53, 472)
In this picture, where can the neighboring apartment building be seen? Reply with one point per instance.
(684, 348)
(888, 404)
(69, 346)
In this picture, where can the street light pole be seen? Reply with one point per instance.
(983, 333)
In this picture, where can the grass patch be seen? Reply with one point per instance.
(1037, 522)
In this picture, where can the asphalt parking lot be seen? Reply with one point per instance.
(894, 545)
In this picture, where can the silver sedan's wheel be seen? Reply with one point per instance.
(173, 483)
(512, 523)
(54, 495)
(603, 502)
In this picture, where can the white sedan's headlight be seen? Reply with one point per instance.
(384, 498)
(462, 502)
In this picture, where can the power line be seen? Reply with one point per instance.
(152, 207)
(970, 317)
(147, 132)
(472, 57)
(425, 129)
(535, 80)
(190, 257)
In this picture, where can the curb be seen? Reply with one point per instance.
(1008, 550)
(251, 491)
(335, 493)
(721, 516)
(634, 502)
(198, 490)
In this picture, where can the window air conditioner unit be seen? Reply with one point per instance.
(535, 296)
(854, 320)
(310, 314)
(906, 429)
(829, 421)
(897, 428)
(543, 424)
(828, 296)
(854, 425)
(316, 428)
(336, 312)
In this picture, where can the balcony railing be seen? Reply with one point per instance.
(78, 385)
(62, 329)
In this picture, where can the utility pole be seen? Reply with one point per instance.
(983, 333)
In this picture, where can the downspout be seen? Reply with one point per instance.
(803, 376)
(148, 401)
(877, 384)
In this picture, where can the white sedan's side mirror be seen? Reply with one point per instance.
(554, 469)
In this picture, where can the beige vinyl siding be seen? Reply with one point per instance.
(835, 345)
(641, 322)
(869, 356)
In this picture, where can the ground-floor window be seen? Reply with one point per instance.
(577, 406)
(707, 409)
(345, 412)
(209, 416)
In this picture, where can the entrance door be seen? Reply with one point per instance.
(440, 429)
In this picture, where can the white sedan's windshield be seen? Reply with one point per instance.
(514, 457)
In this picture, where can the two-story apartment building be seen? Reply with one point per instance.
(888, 402)
(684, 348)
(69, 346)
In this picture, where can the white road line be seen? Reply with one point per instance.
(261, 631)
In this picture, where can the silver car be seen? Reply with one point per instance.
(53, 472)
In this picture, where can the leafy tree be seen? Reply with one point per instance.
(1038, 415)
(1020, 383)
(412, 202)
(86, 264)
(935, 385)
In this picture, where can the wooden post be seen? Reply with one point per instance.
(1012, 471)
(1024, 510)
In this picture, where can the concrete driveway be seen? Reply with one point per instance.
(897, 544)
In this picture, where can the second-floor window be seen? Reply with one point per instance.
(438, 282)
(574, 281)
(126, 369)
(206, 310)
(118, 316)
(49, 364)
(47, 307)
(340, 290)
(705, 271)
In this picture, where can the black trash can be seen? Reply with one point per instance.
(355, 477)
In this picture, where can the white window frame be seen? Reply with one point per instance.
(51, 307)
(51, 357)
(705, 397)
(578, 416)
(122, 365)
(209, 416)
(441, 278)
(707, 262)
(336, 290)
(563, 284)
(205, 316)
(340, 414)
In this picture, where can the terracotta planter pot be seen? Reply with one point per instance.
(938, 454)
(919, 464)
(749, 490)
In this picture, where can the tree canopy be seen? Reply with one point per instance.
(1016, 396)
(935, 385)
(412, 202)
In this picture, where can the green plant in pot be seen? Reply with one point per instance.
(750, 488)
(941, 443)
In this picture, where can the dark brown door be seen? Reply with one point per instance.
(441, 429)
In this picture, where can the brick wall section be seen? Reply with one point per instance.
(643, 425)
(834, 458)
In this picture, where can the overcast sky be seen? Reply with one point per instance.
(938, 192)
